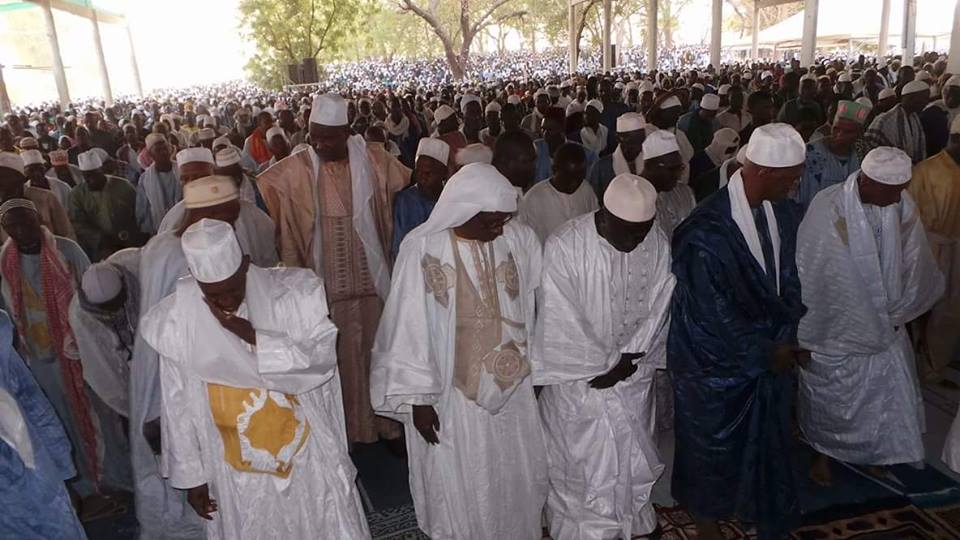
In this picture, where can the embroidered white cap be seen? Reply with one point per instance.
(212, 251)
(574, 107)
(89, 161)
(914, 86)
(194, 155)
(206, 134)
(443, 112)
(227, 156)
(631, 198)
(31, 157)
(468, 99)
(11, 160)
(209, 191)
(513, 99)
(659, 143)
(672, 101)
(630, 121)
(277, 130)
(153, 139)
(329, 110)
(646, 86)
(887, 165)
(434, 148)
(101, 282)
(886, 93)
(710, 102)
(776, 145)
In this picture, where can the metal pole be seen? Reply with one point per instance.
(652, 34)
(883, 40)
(716, 31)
(59, 74)
(607, 22)
(101, 60)
(572, 37)
(909, 31)
(755, 45)
(5, 106)
(809, 46)
(953, 61)
(133, 64)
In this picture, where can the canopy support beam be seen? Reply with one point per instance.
(755, 38)
(909, 31)
(59, 75)
(883, 39)
(652, 6)
(953, 61)
(607, 23)
(808, 48)
(101, 61)
(716, 33)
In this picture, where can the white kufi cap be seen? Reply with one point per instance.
(887, 165)
(227, 156)
(776, 145)
(630, 122)
(434, 148)
(212, 251)
(10, 160)
(493, 106)
(209, 191)
(659, 143)
(886, 93)
(329, 110)
(101, 282)
(914, 86)
(710, 102)
(31, 157)
(631, 198)
(474, 153)
(153, 139)
(194, 155)
(89, 161)
(443, 112)
(277, 130)
(596, 104)
(670, 102)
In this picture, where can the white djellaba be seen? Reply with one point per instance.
(866, 271)
(261, 425)
(595, 304)
(486, 479)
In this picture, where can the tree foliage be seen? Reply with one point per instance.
(289, 31)
(741, 19)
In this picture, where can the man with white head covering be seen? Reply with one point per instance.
(451, 361)
(60, 167)
(333, 207)
(662, 166)
(593, 134)
(13, 185)
(531, 122)
(665, 113)
(251, 408)
(489, 134)
(700, 125)
(733, 343)
(474, 153)
(34, 169)
(162, 262)
(103, 209)
(886, 100)
(935, 189)
(866, 270)
(448, 131)
(705, 166)
(601, 334)
(900, 127)
(40, 273)
(412, 206)
(104, 315)
(158, 191)
(831, 160)
(564, 196)
(279, 144)
(938, 115)
(36, 452)
(626, 158)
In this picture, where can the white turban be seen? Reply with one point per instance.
(194, 155)
(475, 188)
(277, 130)
(659, 143)
(596, 104)
(630, 122)
(474, 153)
(887, 165)
(209, 191)
(710, 102)
(434, 148)
(10, 160)
(672, 101)
(31, 157)
(914, 86)
(101, 282)
(212, 251)
(631, 198)
(493, 106)
(89, 161)
(329, 110)
(886, 93)
(443, 112)
(227, 156)
(776, 145)
(153, 139)
(222, 141)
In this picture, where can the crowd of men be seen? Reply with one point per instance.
(523, 286)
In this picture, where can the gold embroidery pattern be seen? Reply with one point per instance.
(439, 278)
(508, 275)
(507, 365)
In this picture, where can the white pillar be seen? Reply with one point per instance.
(607, 23)
(651, 34)
(572, 38)
(953, 61)
(4, 97)
(59, 75)
(716, 31)
(755, 45)
(883, 40)
(133, 64)
(808, 48)
(101, 60)
(909, 31)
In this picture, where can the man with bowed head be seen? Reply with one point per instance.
(733, 341)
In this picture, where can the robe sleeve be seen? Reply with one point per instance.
(142, 211)
(404, 370)
(306, 348)
(60, 221)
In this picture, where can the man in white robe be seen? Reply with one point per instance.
(159, 186)
(866, 270)
(160, 509)
(450, 361)
(566, 195)
(252, 413)
(663, 167)
(601, 336)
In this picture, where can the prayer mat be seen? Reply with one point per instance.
(899, 520)
(399, 523)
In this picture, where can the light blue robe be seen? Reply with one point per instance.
(823, 169)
